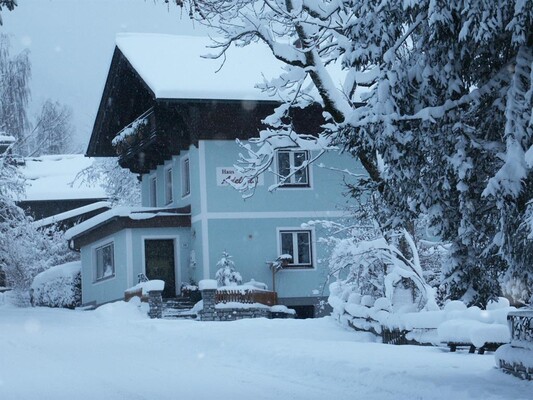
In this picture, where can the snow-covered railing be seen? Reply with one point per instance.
(230, 303)
(516, 358)
(246, 296)
(139, 129)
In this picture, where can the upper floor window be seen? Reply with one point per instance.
(153, 191)
(185, 178)
(105, 262)
(293, 170)
(297, 244)
(168, 186)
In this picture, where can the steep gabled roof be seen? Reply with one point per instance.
(176, 67)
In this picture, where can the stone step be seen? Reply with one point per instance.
(179, 314)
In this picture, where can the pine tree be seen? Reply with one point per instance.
(226, 275)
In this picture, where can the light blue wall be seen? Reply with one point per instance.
(247, 229)
(254, 242)
(109, 289)
(129, 262)
(325, 192)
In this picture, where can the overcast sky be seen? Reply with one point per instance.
(71, 43)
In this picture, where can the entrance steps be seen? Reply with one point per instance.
(178, 307)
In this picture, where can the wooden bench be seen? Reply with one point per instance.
(472, 349)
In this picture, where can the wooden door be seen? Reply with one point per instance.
(159, 259)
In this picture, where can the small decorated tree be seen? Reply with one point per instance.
(226, 274)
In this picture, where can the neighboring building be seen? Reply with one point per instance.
(52, 187)
(173, 120)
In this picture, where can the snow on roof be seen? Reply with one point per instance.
(7, 138)
(71, 213)
(135, 213)
(173, 67)
(53, 178)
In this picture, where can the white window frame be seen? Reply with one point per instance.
(152, 191)
(185, 177)
(295, 264)
(169, 180)
(97, 248)
(291, 182)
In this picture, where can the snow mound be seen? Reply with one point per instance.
(121, 311)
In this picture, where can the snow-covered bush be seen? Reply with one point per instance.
(226, 274)
(59, 286)
(27, 251)
(377, 268)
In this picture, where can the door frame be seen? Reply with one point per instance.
(177, 269)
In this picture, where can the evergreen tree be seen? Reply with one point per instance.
(446, 123)
(226, 275)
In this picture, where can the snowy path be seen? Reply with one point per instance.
(115, 353)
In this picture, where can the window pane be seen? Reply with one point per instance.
(105, 265)
(185, 179)
(304, 248)
(168, 186)
(286, 244)
(153, 192)
(301, 175)
(284, 163)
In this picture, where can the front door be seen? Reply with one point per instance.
(159, 259)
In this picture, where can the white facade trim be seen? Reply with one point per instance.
(203, 209)
(129, 258)
(271, 214)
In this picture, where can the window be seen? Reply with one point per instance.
(297, 243)
(105, 262)
(185, 178)
(153, 192)
(292, 168)
(168, 186)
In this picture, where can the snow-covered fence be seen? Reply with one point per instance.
(246, 296)
(516, 358)
(239, 302)
(456, 324)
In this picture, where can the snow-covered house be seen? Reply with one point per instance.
(173, 119)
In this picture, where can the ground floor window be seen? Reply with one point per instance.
(105, 261)
(297, 243)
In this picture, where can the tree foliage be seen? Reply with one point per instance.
(446, 123)
(120, 185)
(53, 130)
(9, 4)
(15, 72)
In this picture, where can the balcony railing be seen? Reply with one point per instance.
(141, 130)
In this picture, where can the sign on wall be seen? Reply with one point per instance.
(225, 174)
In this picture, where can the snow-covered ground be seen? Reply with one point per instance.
(116, 352)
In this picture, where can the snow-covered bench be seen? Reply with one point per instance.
(473, 334)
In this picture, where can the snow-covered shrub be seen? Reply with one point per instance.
(58, 286)
(27, 251)
(226, 274)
